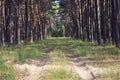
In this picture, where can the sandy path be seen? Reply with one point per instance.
(28, 72)
(32, 72)
(82, 70)
(34, 69)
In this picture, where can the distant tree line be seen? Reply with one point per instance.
(92, 20)
(24, 20)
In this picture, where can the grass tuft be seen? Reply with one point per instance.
(58, 53)
(6, 72)
(60, 74)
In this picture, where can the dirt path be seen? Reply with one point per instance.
(80, 68)
(34, 69)
(83, 71)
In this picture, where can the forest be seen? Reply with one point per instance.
(87, 30)
(32, 20)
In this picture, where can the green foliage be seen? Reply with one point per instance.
(57, 31)
(6, 72)
(53, 15)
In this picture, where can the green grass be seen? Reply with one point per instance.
(58, 53)
(60, 74)
(18, 54)
(87, 49)
(97, 52)
(115, 75)
(35, 50)
(21, 52)
(60, 62)
(6, 72)
(59, 57)
(112, 73)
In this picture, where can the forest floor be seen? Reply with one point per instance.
(34, 69)
(65, 59)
